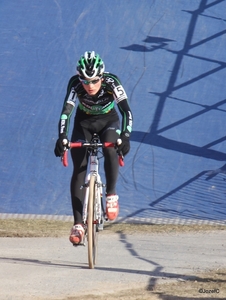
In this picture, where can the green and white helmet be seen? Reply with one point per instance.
(90, 65)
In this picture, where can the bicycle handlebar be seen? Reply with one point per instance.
(90, 145)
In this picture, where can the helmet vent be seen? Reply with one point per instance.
(90, 65)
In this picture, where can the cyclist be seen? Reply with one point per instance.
(97, 91)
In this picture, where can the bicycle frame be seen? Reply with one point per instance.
(93, 171)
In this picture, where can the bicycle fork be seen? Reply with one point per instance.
(98, 202)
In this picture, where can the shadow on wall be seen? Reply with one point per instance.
(161, 43)
(157, 43)
(166, 143)
(153, 135)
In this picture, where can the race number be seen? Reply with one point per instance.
(72, 97)
(120, 93)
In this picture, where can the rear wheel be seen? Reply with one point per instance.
(92, 233)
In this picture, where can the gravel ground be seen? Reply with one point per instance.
(131, 266)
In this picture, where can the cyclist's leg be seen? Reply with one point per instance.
(80, 159)
(77, 180)
(109, 125)
(77, 194)
(111, 167)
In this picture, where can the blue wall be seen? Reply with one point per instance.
(170, 56)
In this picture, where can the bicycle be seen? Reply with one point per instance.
(93, 215)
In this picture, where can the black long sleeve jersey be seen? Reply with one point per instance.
(111, 91)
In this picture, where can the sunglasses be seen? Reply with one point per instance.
(87, 82)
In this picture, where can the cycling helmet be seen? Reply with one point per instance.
(90, 65)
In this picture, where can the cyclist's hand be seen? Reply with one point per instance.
(61, 146)
(124, 147)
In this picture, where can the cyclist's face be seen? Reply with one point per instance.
(93, 87)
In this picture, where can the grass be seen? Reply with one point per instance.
(51, 228)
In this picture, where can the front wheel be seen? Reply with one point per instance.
(92, 226)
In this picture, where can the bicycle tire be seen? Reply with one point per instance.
(91, 226)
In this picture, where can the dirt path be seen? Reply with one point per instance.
(50, 268)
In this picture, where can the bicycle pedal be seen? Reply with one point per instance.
(80, 244)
